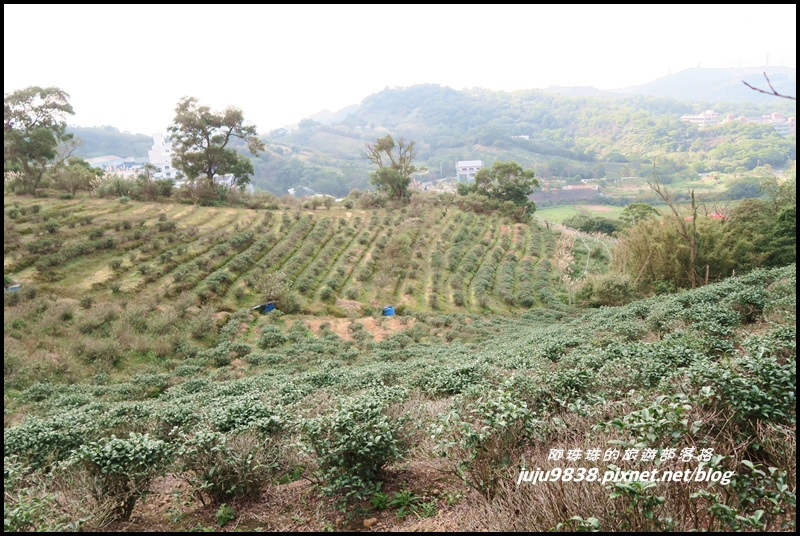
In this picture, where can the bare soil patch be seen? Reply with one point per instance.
(299, 507)
(379, 328)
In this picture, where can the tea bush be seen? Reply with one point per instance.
(124, 468)
(354, 444)
(220, 467)
(486, 437)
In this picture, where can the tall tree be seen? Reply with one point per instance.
(201, 139)
(505, 182)
(636, 212)
(76, 175)
(33, 128)
(395, 168)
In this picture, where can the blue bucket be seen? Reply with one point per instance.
(388, 311)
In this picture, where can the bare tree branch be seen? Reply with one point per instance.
(687, 231)
(772, 89)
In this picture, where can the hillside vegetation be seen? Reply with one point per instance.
(130, 282)
(142, 392)
(564, 138)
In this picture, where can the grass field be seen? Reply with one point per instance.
(560, 213)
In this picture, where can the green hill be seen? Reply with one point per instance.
(564, 138)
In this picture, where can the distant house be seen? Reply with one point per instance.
(301, 191)
(708, 118)
(466, 169)
(160, 156)
(581, 187)
(109, 160)
(783, 125)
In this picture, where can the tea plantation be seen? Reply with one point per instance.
(143, 392)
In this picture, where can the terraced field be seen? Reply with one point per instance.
(124, 288)
(438, 258)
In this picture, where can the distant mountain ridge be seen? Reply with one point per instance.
(706, 85)
(564, 133)
(719, 85)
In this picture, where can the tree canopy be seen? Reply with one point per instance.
(393, 175)
(505, 183)
(76, 175)
(636, 212)
(33, 129)
(201, 142)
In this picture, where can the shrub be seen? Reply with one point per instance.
(220, 467)
(451, 380)
(97, 351)
(327, 293)
(11, 298)
(485, 439)
(355, 444)
(164, 226)
(202, 324)
(608, 289)
(271, 336)
(123, 468)
(758, 388)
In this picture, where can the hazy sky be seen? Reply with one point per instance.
(128, 65)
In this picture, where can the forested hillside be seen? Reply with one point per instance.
(564, 138)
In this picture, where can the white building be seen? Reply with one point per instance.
(708, 118)
(782, 125)
(466, 169)
(161, 157)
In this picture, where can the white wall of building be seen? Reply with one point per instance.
(161, 157)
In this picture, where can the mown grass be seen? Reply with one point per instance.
(560, 213)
